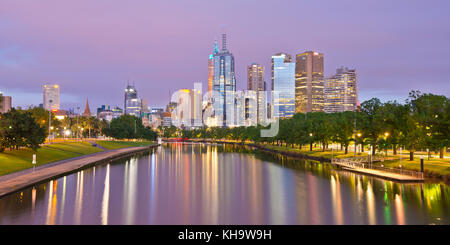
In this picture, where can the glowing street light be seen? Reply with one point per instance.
(386, 134)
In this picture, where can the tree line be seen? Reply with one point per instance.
(30, 128)
(422, 122)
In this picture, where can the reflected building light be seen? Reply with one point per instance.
(78, 198)
(370, 204)
(61, 215)
(52, 201)
(336, 200)
(33, 201)
(399, 210)
(105, 201)
(130, 191)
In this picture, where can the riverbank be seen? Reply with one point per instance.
(28, 177)
(17, 160)
(441, 172)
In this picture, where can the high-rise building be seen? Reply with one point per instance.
(224, 86)
(341, 91)
(188, 112)
(5, 103)
(117, 112)
(51, 97)
(132, 104)
(255, 82)
(283, 86)
(255, 77)
(211, 66)
(246, 108)
(309, 95)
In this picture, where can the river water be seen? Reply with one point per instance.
(214, 184)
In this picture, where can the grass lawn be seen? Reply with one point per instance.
(435, 165)
(317, 152)
(111, 145)
(12, 161)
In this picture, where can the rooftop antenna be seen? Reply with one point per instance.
(224, 41)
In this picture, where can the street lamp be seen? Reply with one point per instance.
(49, 121)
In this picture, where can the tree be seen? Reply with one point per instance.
(129, 127)
(371, 121)
(20, 129)
(431, 113)
(343, 127)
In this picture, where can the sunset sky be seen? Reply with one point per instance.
(91, 48)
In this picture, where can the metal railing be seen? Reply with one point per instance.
(357, 163)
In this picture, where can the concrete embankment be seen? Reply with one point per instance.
(19, 180)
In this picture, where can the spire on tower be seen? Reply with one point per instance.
(224, 41)
(87, 111)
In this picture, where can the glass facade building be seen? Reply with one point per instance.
(283, 86)
(341, 91)
(211, 66)
(309, 81)
(224, 86)
(255, 82)
(132, 104)
(51, 97)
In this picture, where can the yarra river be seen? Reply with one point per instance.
(214, 184)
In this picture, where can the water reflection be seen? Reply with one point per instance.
(211, 184)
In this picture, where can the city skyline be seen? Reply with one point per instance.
(384, 51)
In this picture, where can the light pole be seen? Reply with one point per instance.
(49, 122)
(78, 109)
(355, 136)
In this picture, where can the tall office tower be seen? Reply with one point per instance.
(5, 103)
(87, 110)
(255, 82)
(255, 77)
(211, 66)
(309, 82)
(188, 112)
(246, 108)
(341, 91)
(224, 86)
(283, 86)
(51, 97)
(132, 104)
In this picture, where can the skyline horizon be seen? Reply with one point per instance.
(164, 47)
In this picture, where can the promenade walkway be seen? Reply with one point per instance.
(22, 179)
(382, 172)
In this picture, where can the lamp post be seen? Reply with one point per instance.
(78, 109)
(49, 122)
(386, 135)
(355, 136)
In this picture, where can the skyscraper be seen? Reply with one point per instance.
(51, 97)
(341, 91)
(309, 82)
(211, 66)
(132, 104)
(283, 86)
(255, 77)
(255, 82)
(224, 86)
(5, 103)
